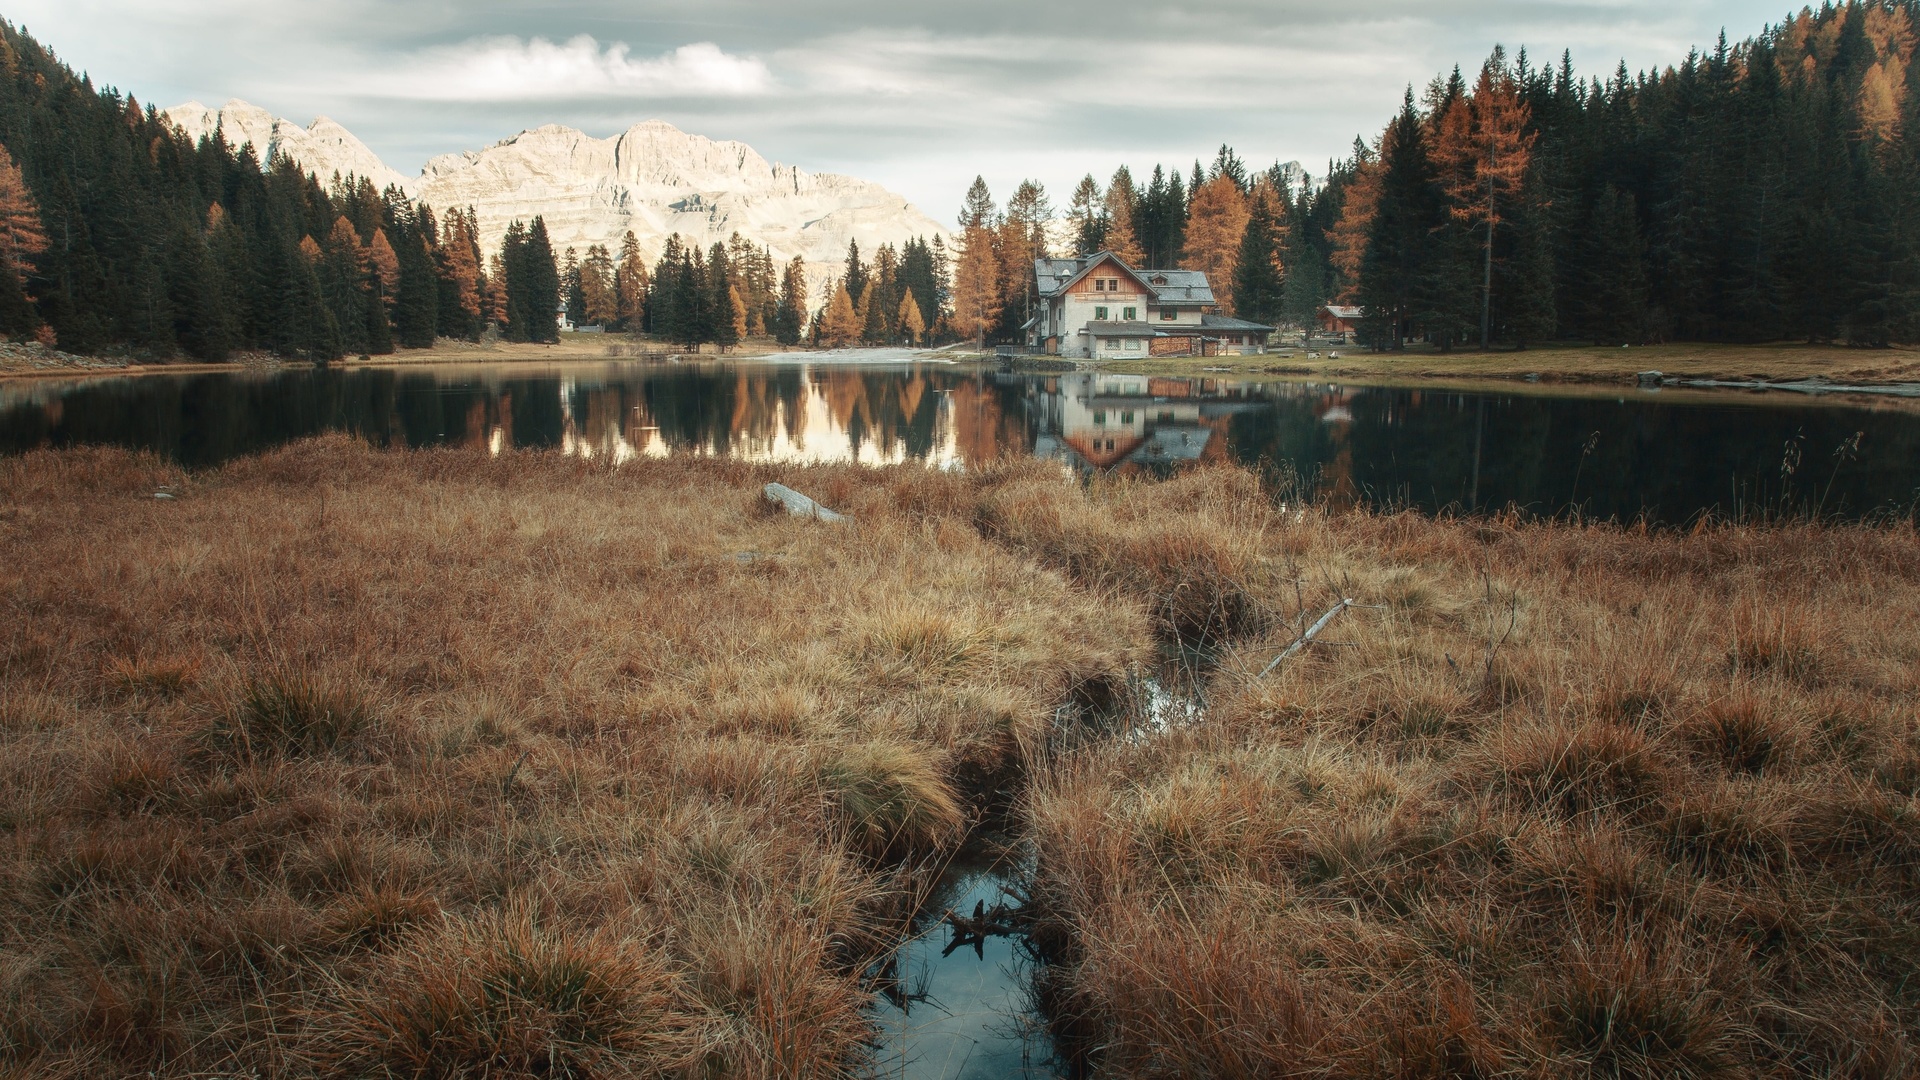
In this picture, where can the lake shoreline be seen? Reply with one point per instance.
(1744, 366)
(1794, 369)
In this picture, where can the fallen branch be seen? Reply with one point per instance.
(1307, 638)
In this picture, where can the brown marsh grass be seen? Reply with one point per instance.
(345, 763)
(1574, 801)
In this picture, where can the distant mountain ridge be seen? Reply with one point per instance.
(653, 179)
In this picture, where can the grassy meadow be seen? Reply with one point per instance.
(340, 762)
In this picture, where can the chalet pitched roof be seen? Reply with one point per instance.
(1120, 329)
(1222, 322)
(1180, 286)
(1173, 287)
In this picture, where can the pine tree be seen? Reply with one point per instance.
(1393, 286)
(1084, 211)
(493, 294)
(1501, 145)
(790, 321)
(1258, 291)
(598, 297)
(416, 292)
(977, 285)
(511, 280)
(722, 320)
(855, 275)
(1120, 236)
(738, 305)
(542, 278)
(458, 264)
(1228, 164)
(572, 292)
(1022, 239)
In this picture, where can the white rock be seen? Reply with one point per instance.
(322, 148)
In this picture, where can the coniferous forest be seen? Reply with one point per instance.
(1768, 190)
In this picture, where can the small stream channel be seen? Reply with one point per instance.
(957, 999)
(954, 1005)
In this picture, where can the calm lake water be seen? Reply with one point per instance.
(1669, 454)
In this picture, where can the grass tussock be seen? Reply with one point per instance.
(1193, 549)
(348, 763)
(1573, 801)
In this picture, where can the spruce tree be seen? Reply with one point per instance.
(1394, 286)
(790, 319)
(722, 318)
(1258, 289)
(543, 285)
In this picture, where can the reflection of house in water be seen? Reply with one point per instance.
(1101, 420)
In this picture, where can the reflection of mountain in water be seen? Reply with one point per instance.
(1616, 456)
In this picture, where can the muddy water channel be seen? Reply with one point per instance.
(1667, 454)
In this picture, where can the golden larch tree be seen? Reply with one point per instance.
(1347, 240)
(839, 327)
(385, 265)
(912, 323)
(345, 240)
(1484, 166)
(739, 312)
(1216, 223)
(597, 287)
(976, 284)
(460, 260)
(630, 284)
(23, 236)
(1121, 238)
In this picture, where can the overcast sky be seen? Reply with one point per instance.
(915, 95)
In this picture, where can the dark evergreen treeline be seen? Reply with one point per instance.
(896, 298)
(151, 242)
(1764, 191)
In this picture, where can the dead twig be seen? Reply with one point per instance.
(1306, 639)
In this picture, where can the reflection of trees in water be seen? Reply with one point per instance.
(1425, 447)
(1435, 449)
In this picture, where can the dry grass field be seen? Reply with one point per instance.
(433, 764)
(1570, 801)
(438, 765)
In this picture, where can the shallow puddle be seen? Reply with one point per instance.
(957, 1005)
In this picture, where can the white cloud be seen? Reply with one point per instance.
(509, 69)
